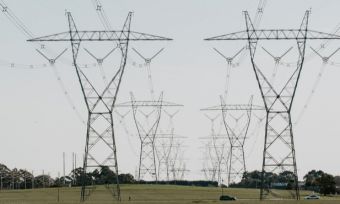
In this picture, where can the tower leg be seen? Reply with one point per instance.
(279, 153)
(100, 143)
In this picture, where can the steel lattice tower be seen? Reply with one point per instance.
(147, 159)
(237, 138)
(147, 116)
(278, 102)
(147, 133)
(100, 103)
(237, 133)
(164, 145)
(218, 151)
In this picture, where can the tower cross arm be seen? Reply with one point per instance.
(276, 34)
(234, 107)
(100, 36)
(148, 103)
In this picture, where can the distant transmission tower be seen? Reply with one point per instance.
(177, 164)
(165, 140)
(100, 149)
(279, 149)
(222, 152)
(237, 130)
(217, 150)
(147, 161)
(147, 128)
(150, 158)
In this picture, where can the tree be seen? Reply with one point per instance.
(251, 179)
(311, 179)
(106, 176)
(287, 177)
(43, 181)
(326, 183)
(126, 178)
(337, 180)
(62, 181)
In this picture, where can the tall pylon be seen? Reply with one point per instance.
(147, 159)
(147, 117)
(147, 128)
(237, 129)
(279, 148)
(237, 135)
(100, 147)
(215, 165)
(164, 144)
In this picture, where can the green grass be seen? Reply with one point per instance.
(148, 194)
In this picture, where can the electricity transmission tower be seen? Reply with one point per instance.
(165, 141)
(176, 162)
(221, 164)
(147, 132)
(237, 129)
(279, 149)
(100, 148)
(216, 152)
(147, 116)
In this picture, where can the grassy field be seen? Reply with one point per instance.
(144, 194)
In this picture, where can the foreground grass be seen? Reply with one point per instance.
(145, 194)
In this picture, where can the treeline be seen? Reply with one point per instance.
(22, 179)
(314, 180)
(183, 183)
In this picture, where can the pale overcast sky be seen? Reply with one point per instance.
(38, 124)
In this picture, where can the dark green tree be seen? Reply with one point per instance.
(126, 178)
(43, 181)
(288, 178)
(311, 179)
(326, 183)
(106, 176)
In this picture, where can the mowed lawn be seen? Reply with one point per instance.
(143, 194)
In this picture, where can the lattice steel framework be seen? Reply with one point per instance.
(237, 138)
(218, 151)
(147, 133)
(165, 141)
(163, 148)
(278, 102)
(176, 162)
(100, 103)
(237, 130)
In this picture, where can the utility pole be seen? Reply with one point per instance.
(43, 175)
(32, 179)
(25, 175)
(13, 187)
(277, 100)
(64, 168)
(100, 103)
